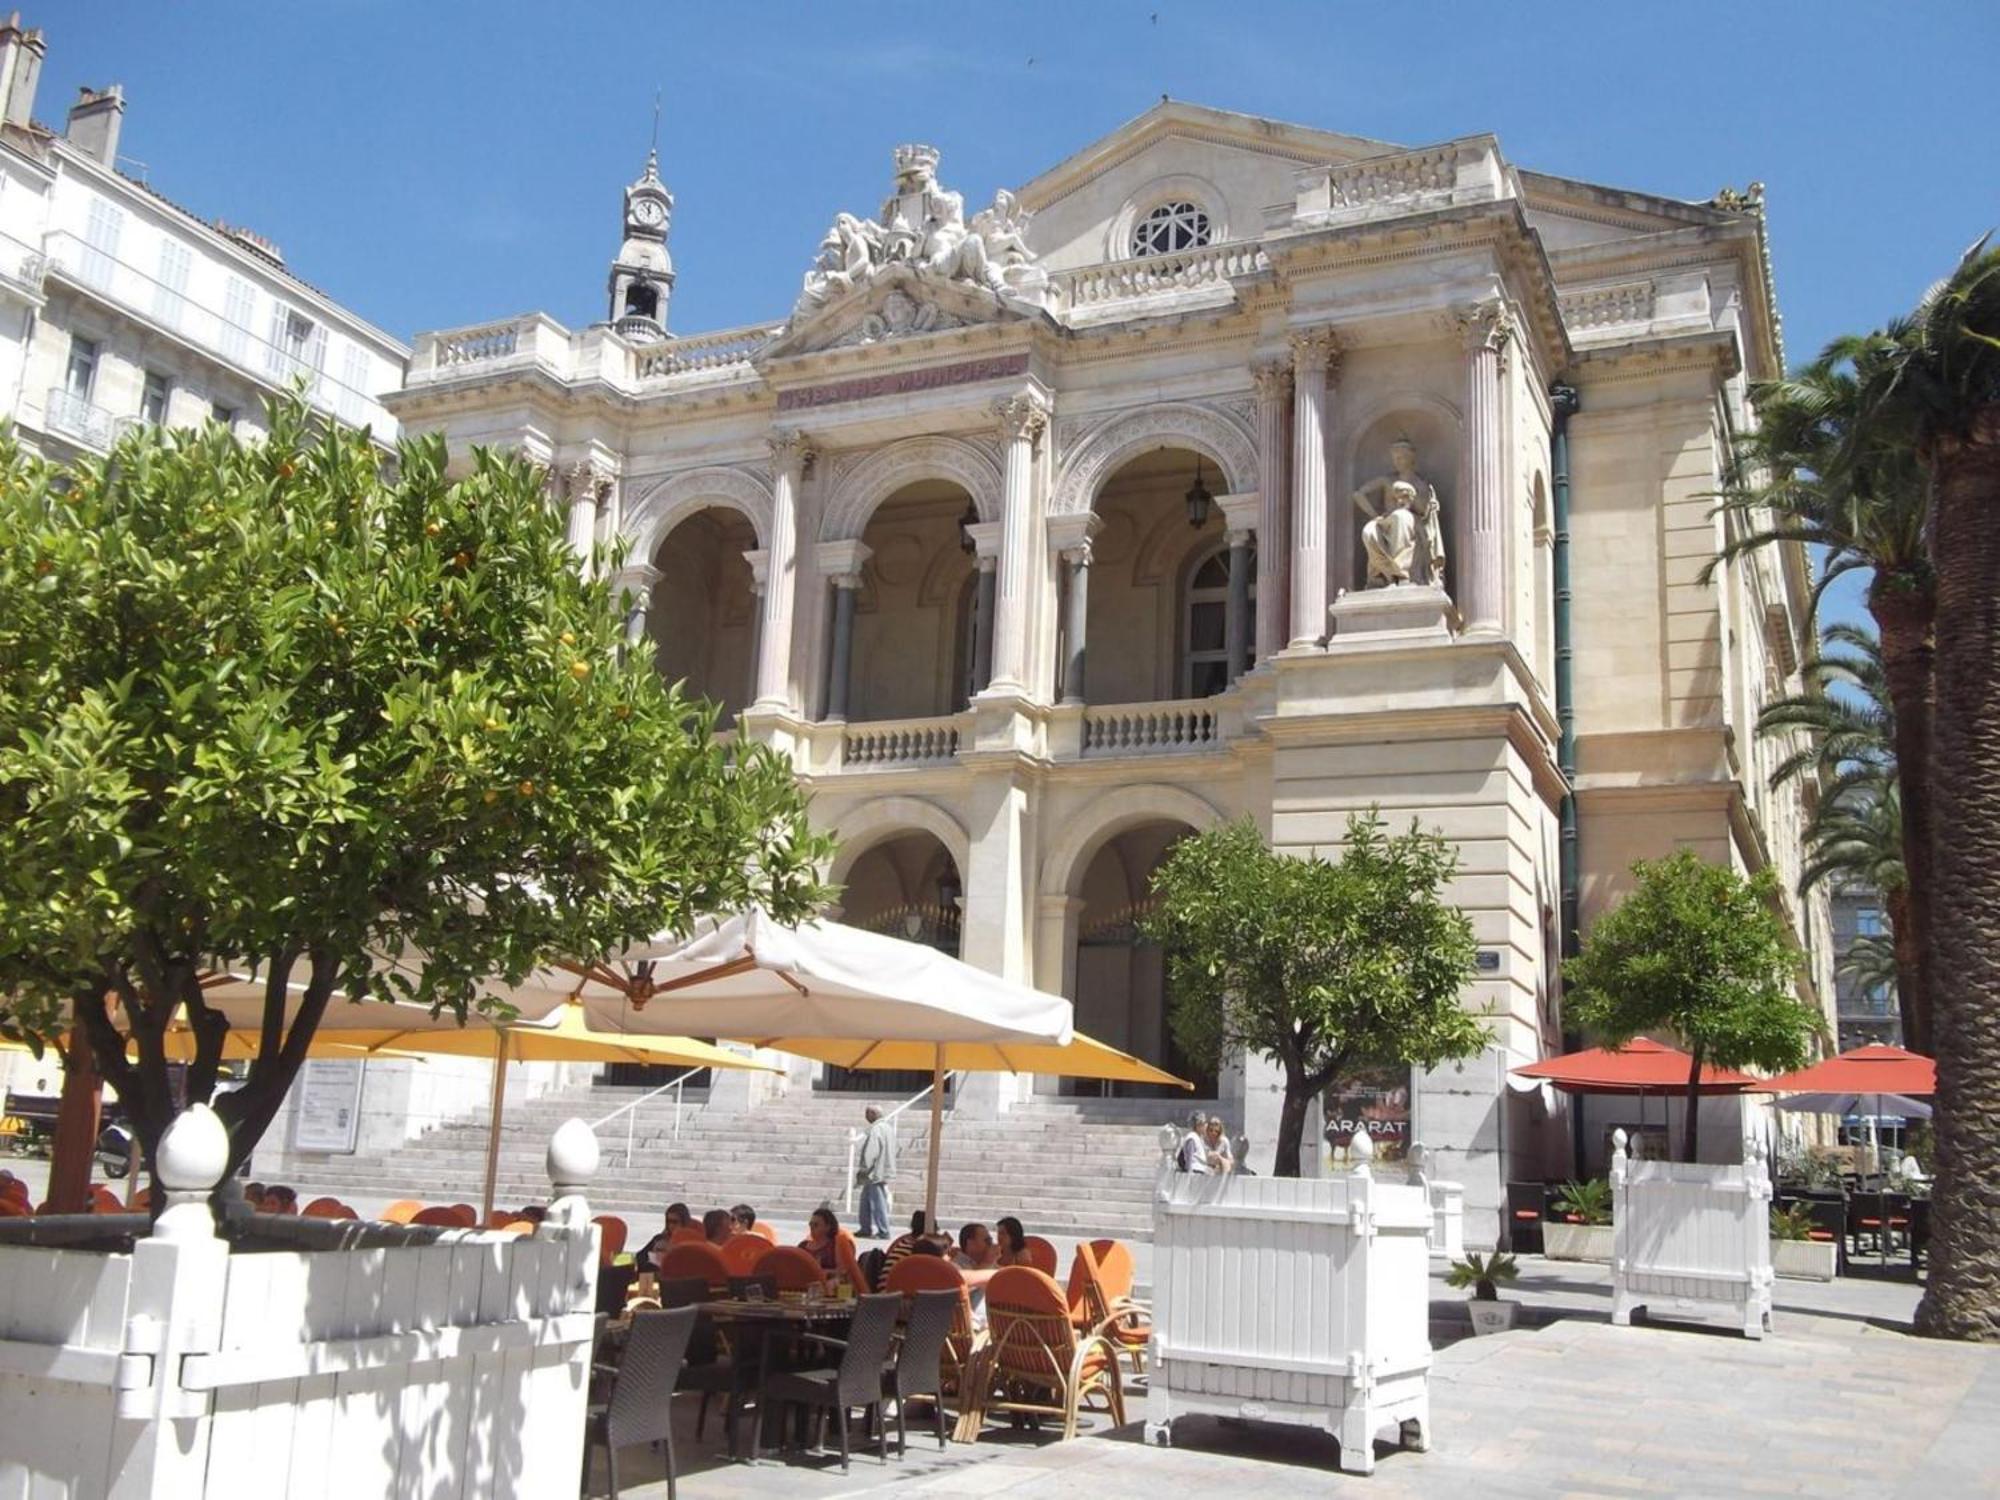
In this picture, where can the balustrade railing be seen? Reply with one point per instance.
(468, 346)
(1604, 306)
(1121, 280)
(897, 743)
(1433, 177)
(706, 351)
(1151, 728)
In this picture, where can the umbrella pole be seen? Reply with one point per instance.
(937, 1124)
(493, 1120)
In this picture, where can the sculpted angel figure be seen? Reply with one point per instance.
(1405, 525)
(846, 257)
(1010, 263)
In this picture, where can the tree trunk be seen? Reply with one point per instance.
(1963, 1297)
(1291, 1128)
(1691, 1126)
(77, 1124)
(1905, 611)
(1909, 967)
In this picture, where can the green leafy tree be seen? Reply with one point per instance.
(1322, 965)
(1699, 951)
(278, 708)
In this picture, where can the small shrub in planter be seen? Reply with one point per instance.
(1484, 1274)
(1581, 1228)
(1794, 1252)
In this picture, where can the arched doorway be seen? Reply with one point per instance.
(1121, 981)
(703, 620)
(907, 887)
(912, 651)
(1157, 624)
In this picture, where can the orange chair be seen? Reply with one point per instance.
(1041, 1255)
(500, 1218)
(695, 1258)
(326, 1208)
(792, 1268)
(1110, 1307)
(104, 1201)
(140, 1202)
(850, 1262)
(15, 1208)
(1036, 1361)
(689, 1234)
(467, 1215)
(615, 1232)
(439, 1217)
(741, 1252)
(931, 1273)
(401, 1211)
(765, 1231)
(519, 1226)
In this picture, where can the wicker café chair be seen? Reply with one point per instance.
(919, 1373)
(1105, 1293)
(792, 1268)
(641, 1406)
(1036, 1361)
(1041, 1254)
(695, 1259)
(915, 1275)
(857, 1381)
(741, 1252)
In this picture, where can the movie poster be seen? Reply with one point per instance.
(1376, 1100)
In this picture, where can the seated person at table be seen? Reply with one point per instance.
(744, 1218)
(281, 1200)
(822, 1241)
(1012, 1241)
(650, 1253)
(717, 1225)
(976, 1251)
(903, 1244)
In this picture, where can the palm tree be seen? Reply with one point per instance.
(1819, 469)
(1855, 832)
(1941, 394)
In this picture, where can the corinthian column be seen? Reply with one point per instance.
(790, 454)
(1274, 523)
(1022, 419)
(586, 485)
(1315, 356)
(1486, 328)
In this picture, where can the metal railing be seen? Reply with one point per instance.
(74, 417)
(631, 1111)
(854, 1136)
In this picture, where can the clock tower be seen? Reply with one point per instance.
(642, 278)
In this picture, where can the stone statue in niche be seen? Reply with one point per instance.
(1404, 535)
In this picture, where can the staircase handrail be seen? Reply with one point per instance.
(630, 1109)
(854, 1136)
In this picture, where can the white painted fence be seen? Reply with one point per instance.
(320, 1357)
(1692, 1240)
(1298, 1301)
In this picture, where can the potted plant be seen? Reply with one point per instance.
(1794, 1252)
(1581, 1226)
(1484, 1274)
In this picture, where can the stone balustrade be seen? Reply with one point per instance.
(1124, 280)
(1608, 306)
(471, 346)
(1433, 177)
(896, 744)
(1171, 728)
(724, 349)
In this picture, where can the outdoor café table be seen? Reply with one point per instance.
(756, 1325)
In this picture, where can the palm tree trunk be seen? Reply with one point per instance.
(1904, 609)
(1963, 1298)
(1910, 966)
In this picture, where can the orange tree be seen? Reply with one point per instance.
(280, 707)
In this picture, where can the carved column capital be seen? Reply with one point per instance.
(791, 452)
(1273, 379)
(985, 537)
(1316, 351)
(1021, 416)
(1485, 325)
(843, 562)
(760, 562)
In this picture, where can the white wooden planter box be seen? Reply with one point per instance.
(1692, 1241)
(1295, 1301)
(368, 1360)
(1576, 1241)
(1805, 1260)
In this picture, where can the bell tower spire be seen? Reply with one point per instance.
(642, 277)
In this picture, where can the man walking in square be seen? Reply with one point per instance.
(874, 1167)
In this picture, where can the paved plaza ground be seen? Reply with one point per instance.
(1839, 1401)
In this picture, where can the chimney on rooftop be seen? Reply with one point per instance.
(21, 54)
(94, 122)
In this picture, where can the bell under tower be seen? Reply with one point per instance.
(642, 277)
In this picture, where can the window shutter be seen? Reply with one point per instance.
(238, 308)
(170, 294)
(316, 362)
(100, 241)
(355, 396)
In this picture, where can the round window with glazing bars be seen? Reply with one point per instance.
(1179, 225)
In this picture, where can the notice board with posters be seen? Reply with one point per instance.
(1376, 1100)
(326, 1113)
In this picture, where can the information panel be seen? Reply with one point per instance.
(327, 1112)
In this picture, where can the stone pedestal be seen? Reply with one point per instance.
(1403, 611)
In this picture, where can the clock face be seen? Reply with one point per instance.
(649, 211)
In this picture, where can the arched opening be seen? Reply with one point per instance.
(907, 887)
(1121, 979)
(642, 300)
(703, 620)
(1157, 616)
(911, 652)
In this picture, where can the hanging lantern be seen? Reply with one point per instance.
(1198, 500)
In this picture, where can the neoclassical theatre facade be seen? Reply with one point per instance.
(1227, 469)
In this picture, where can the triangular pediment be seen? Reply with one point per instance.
(896, 302)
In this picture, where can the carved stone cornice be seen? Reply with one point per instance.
(1021, 416)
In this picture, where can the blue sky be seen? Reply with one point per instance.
(441, 164)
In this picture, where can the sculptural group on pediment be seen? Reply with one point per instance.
(1404, 534)
(923, 227)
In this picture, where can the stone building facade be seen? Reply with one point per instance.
(1217, 472)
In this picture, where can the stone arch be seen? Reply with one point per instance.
(1357, 422)
(857, 492)
(1111, 815)
(1214, 434)
(663, 507)
(870, 823)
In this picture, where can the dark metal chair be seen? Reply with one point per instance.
(709, 1370)
(640, 1409)
(857, 1382)
(919, 1371)
(1527, 1206)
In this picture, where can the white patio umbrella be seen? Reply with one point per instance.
(754, 979)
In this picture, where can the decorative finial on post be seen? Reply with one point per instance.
(190, 1162)
(572, 1160)
(1362, 1151)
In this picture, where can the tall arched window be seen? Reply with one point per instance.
(1178, 225)
(1205, 625)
